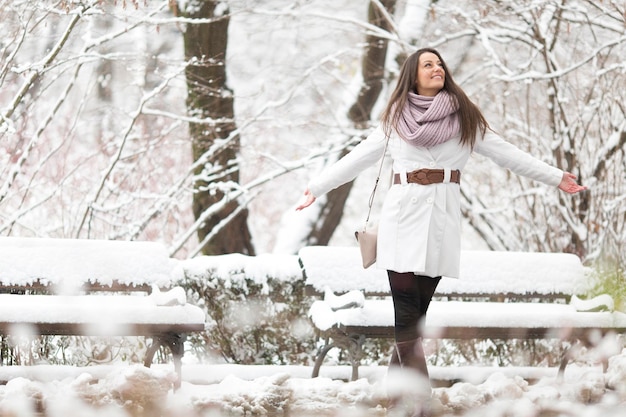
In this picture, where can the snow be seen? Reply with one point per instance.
(482, 272)
(94, 309)
(233, 390)
(599, 303)
(231, 267)
(69, 263)
(415, 13)
(212, 389)
(123, 389)
(442, 314)
(351, 299)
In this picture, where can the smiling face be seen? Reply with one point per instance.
(430, 75)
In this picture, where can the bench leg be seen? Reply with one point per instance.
(320, 359)
(147, 361)
(352, 346)
(562, 366)
(176, 343)
(569, 353)
(355, 369)
(355, 353)
(567, 356)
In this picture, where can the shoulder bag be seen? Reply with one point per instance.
(367, 236)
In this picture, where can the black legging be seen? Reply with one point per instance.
(411, 295)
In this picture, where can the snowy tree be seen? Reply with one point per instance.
(371, 77)
(550, 78)
(87, 136)
(215, 140)
(550, 75)
(96, 133)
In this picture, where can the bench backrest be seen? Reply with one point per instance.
(68, 265)
(491, 274)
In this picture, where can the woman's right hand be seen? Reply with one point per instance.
(308, 200)
(569, 184)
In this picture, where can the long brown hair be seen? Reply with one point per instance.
(470, 116)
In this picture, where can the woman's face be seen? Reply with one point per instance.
(430, 74)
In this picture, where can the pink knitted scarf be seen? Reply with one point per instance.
(428, 121)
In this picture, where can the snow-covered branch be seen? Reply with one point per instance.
(120, 150)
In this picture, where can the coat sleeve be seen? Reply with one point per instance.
(365, 154)
(519, 162)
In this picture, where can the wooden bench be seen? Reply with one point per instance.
(95, 288)
(500, 295)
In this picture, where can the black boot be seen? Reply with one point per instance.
(412, 396)
(411, 356)
(394, 364)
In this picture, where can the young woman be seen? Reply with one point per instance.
(432, 128)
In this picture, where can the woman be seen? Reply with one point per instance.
(433, 128)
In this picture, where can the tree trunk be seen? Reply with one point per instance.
(210, 101)
(373, 71)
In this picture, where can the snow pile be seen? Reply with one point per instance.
(351, 299)
(603, 302)
(128, 391)
(259, 397)
(616, 375)
(132, 391)
(515, 397)
(140, 390)
(172, 297)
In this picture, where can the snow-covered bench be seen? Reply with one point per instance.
(95, 288)
(500, 295)
(496, 276)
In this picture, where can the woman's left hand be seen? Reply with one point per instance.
(569, 184)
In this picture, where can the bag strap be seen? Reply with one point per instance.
(380, 169)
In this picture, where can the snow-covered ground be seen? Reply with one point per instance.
(234, 390)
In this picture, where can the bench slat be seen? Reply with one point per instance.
(96, 329)
(40, 286)
(469, 333)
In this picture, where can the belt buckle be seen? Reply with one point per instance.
(419, 176)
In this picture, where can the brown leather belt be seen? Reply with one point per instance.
(426, 176)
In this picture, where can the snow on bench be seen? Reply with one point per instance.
(474, 320)
(345, 321)
(128, 277)
(483, 274)
(69, 264)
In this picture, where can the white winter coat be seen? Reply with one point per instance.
(420, 225)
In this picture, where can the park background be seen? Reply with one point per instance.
(198, 124)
